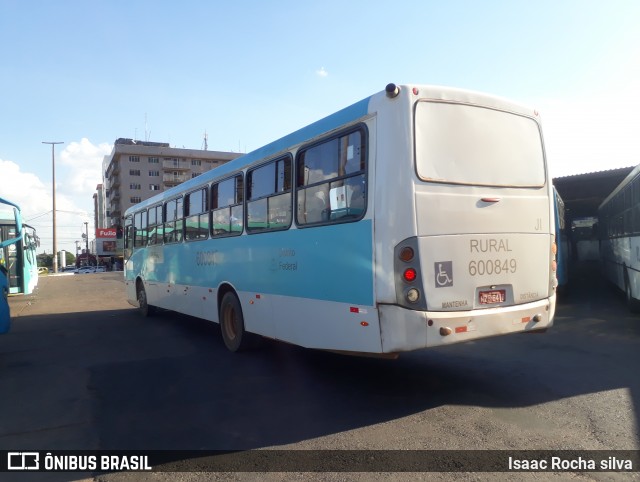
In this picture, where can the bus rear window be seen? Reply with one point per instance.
(463, 144)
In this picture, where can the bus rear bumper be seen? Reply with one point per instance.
(404, 330)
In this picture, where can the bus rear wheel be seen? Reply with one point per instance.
(232, 323)
(143, 305)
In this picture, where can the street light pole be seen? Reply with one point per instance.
(55, 239)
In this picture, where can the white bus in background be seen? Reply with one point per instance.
(417, 217)
(619, 233)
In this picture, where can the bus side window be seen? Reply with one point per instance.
(356, 195)
(197, 215)
(169, 213)
(179, 220)
(331, 180)
(313, 204)
(140, 223)
(269, 196)
(154, 225)
(227, 199)
(173, 221)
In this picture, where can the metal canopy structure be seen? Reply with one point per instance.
(583, 193)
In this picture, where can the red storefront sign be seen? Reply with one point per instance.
(106, 233)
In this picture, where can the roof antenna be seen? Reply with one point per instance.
(147, 134)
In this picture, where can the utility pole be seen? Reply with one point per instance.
(86, 229)
(55, 239)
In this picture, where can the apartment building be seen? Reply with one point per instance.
(99, 209)
(137, 170)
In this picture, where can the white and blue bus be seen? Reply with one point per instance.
(619, 233)
(562, 241)
(417, 217)
(20, 257)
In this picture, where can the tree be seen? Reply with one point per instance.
(70, 259)
(45, 260)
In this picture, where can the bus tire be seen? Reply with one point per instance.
(632, 303)
(232, 323)
(145, 309)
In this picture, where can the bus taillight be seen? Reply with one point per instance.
(410, 275)
(406, 254)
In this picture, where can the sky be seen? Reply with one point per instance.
(248, 72)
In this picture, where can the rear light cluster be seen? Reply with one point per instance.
(407, 275)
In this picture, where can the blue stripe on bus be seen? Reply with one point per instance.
(331, 263)
(327, 124)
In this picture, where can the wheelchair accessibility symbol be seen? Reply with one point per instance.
(443, 273)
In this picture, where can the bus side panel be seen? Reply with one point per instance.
(615, 255)
(303, 273)
(621, 262)
(258, 312)
(300, 263)
(562, 258)
(5, 315)
(313, 323)
(307, 270)
(130, 288)
(634, 266)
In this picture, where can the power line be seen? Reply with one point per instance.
(83, 213)
(65, 226)
(39, 216)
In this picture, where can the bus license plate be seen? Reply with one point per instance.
(494, 296)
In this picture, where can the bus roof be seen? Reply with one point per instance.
(619, 187)
(334, 121)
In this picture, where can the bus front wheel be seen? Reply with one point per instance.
(232, 323)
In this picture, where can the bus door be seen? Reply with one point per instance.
(483, 209)
(13, 259)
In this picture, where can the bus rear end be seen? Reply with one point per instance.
(481, 258)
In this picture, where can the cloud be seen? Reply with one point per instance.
(322, 72)
(24, 189)
(83, 161)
